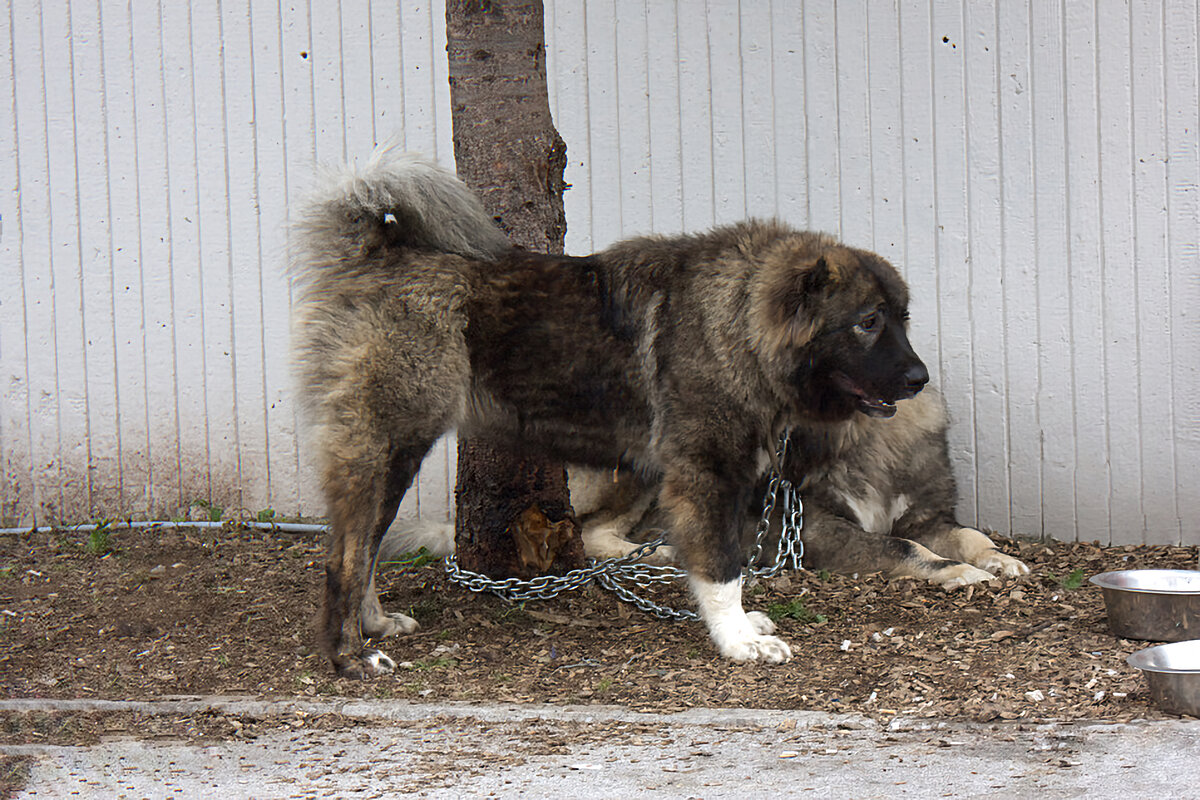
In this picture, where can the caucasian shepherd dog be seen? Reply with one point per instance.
(679, 357)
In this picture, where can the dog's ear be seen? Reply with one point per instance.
(784, 318)
(821, 275)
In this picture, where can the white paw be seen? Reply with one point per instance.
(365, 664)
(959, 575)
(752, 647)
(377, 662)
(737, 635)
(1001, 564)
(760, 622)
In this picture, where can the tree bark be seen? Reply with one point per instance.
(514, 516)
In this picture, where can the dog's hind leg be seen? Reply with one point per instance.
(835, 543)
(973, 547)
(363, 499)
(377, 623)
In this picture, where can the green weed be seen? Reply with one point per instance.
(793, 609)
(415, 560)
(99, 541)
(1073, 580)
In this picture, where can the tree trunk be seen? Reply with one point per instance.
(514, 516)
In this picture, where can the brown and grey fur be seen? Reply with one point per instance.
(677, 357)
(879, 496)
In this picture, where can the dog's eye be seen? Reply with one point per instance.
(870, 322)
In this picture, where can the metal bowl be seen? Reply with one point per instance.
(1173, 673)
(1159, 605)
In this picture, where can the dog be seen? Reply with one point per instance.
(879, 496)
(679, 357)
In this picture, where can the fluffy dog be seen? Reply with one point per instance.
(679, 357)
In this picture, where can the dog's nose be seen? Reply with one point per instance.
(915, 377)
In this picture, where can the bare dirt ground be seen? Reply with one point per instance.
(146, 614)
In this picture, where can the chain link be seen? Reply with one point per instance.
(620, 575)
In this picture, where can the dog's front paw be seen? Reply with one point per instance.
(1001, 564)
(366, 664)
(958, 575)
(751, 640)
(753, 647)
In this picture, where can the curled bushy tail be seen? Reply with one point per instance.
(396, 198)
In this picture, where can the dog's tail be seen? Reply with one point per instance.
(398, 200)
(410, 535)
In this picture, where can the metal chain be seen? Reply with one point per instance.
(618, 574)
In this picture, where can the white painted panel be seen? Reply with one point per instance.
(951, 236)
(128, 466)
(821, 109)
(16, 482)
(696, 120)
(758, 125)
(1055, 389)
(856, 224)
(633, 117)
(1117, 237)
(664, 122)
(1150, 158)
(604, 142)
(726, 84)
(985, 202)
(885, 115)
(1183, 209)
(789, 118)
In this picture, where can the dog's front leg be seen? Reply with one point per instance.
(706, 513)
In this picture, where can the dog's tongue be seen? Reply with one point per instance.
(876, 408)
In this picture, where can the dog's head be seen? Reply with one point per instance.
(832, 320)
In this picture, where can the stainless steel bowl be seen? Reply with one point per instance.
(1173, 673)
(1160, 605)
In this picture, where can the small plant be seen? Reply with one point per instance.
(266, 515)
(793, 609)
(415, 560)
(7, 572)
(437, 663)
(823, 575)
(1073, 580)
(215, 513)
(99, 541)
(604, 685)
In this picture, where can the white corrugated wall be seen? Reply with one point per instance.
(1032, 167)
(151, 153)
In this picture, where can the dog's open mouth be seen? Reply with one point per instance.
(871, 406)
